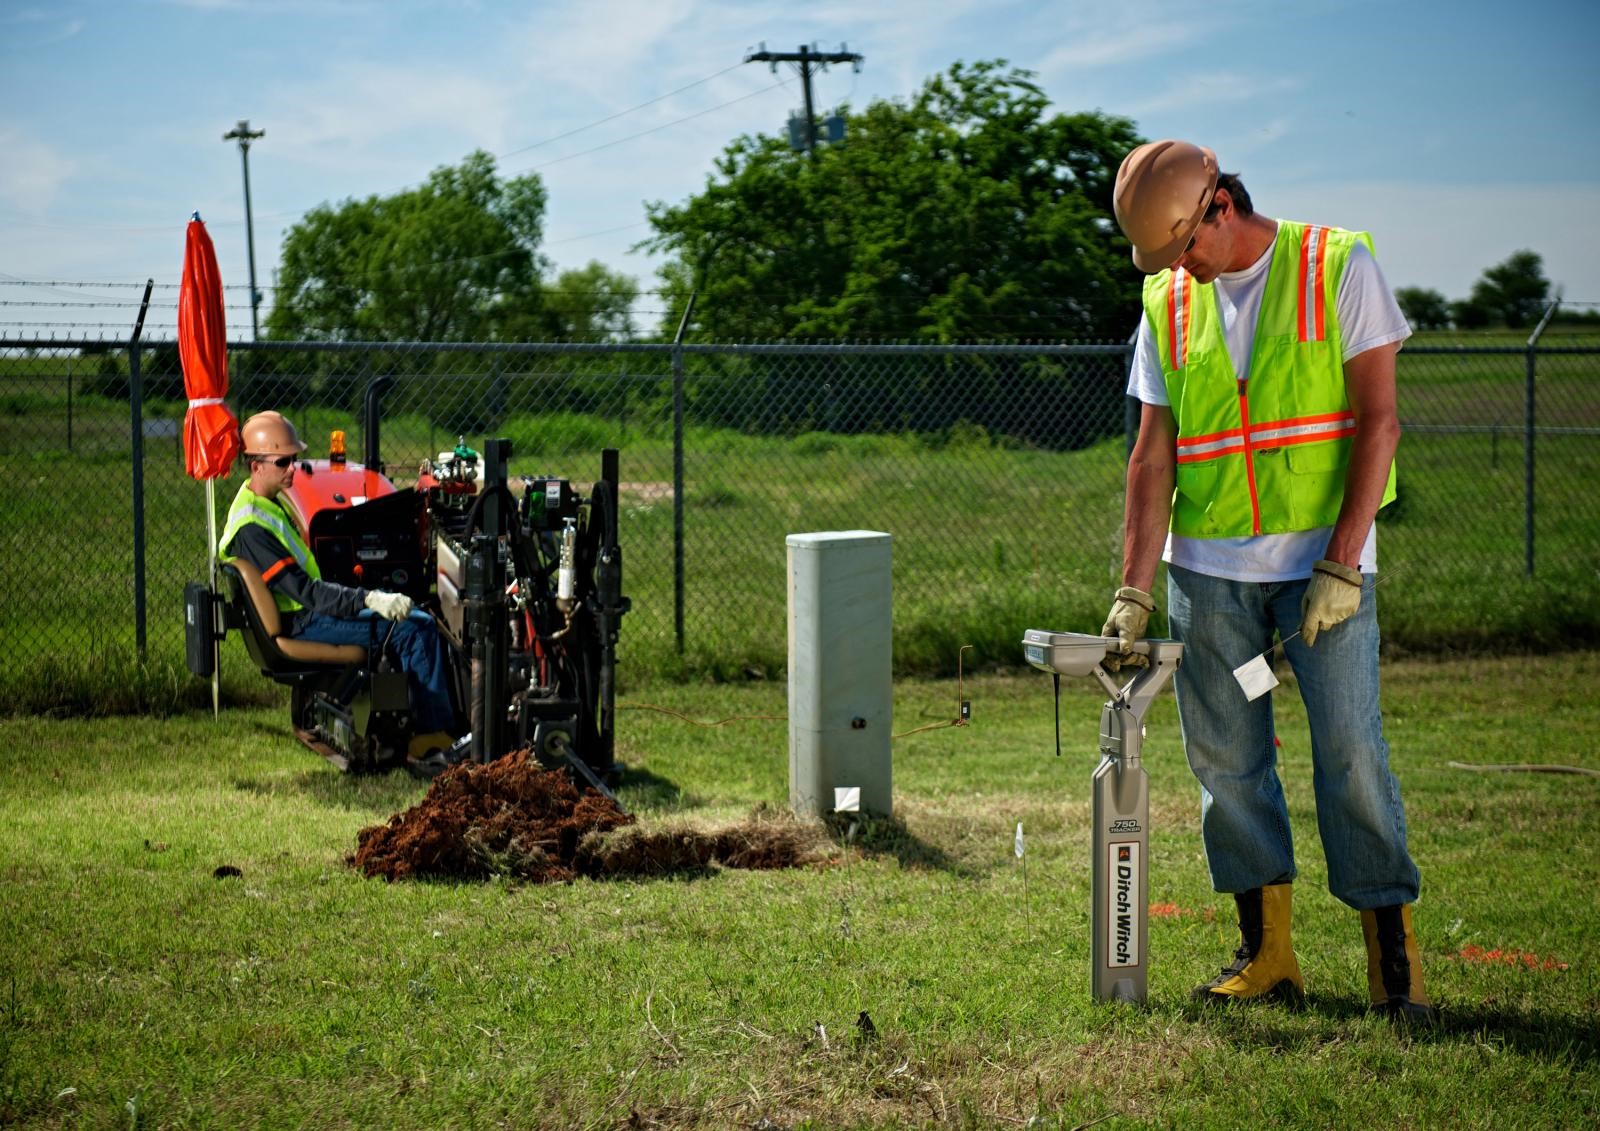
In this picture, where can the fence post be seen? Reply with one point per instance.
(677, 472)
(136, 412)
(1528, 434)
(1130, 406)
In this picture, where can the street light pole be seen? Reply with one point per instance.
(245, 135)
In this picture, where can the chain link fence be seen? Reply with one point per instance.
(997, 469)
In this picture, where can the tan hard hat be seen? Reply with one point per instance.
(270, 434)
(1163, 189)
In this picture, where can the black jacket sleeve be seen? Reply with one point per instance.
(284, 575)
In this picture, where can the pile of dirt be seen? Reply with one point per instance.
(763, 841)
(514, 818)
(510, 816)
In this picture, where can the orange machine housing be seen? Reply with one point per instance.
(362, 530)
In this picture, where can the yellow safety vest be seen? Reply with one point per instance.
(249, 507)
(1266, 454)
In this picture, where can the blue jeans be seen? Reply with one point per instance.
(1229, 741)
(413, 642)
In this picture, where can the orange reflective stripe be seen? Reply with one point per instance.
(1249, 459)
(1313, 308)
(1179, 299)
(276, 568)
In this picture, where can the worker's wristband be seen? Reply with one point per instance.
(1339, 570)
(1137, 597)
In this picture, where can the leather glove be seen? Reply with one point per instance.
(389, 606)
(1333, 596)
(1127, 621)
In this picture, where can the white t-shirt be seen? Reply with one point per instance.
(1368, 317)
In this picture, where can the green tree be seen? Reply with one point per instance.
(455, 259)
(1468, 315)
(1514, 292)
(969, 213)
(1425, 309)
(592, 304)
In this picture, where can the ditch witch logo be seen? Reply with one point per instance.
(1123, 909)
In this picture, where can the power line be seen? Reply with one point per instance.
(656, 129)
(618, 114)
(592, 235)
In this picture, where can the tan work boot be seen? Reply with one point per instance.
(1264, 966)
(1394, 967)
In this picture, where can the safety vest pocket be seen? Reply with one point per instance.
(1316, 481)
(1318, 458)
(1197, 483)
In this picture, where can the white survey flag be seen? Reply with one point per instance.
(1255, 677)
(1016, 844)
(847, 799)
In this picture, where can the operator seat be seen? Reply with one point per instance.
(282, 657)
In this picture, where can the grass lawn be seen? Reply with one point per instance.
(141, 991)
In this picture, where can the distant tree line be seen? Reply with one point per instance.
(1514, 294)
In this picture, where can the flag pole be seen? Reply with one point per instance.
(211, 559)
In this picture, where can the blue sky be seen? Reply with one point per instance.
(1456, 133)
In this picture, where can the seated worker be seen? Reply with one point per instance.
(261, 532)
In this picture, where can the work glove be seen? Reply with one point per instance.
(1333, 595)
(1127, 621)
(389, 606)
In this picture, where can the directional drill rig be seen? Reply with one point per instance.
(526, 588)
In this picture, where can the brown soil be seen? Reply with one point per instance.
(513, 817)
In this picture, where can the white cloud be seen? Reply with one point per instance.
(37, 28)
(378, 110)
(32, 172)
(1109, 47)
(1191, 94)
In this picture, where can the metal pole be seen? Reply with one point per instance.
(211, 584)
(807, 60)
(677, 472)
(1130, 406)
(1528, 434)
(136, 413)
(245, 135)
(811, 118)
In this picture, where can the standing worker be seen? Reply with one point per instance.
(261, 532)
(1265, 368)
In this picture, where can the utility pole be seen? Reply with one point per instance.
(806, 60)
(245, 135)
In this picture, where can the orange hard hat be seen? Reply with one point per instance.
(1162, 192)
(270, 434)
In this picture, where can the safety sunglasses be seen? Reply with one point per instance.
(280, 463)
(1211, 210)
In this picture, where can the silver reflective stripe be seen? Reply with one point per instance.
(1308, 299)
(1304, 431)
(286, 533)
(1189, 450)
